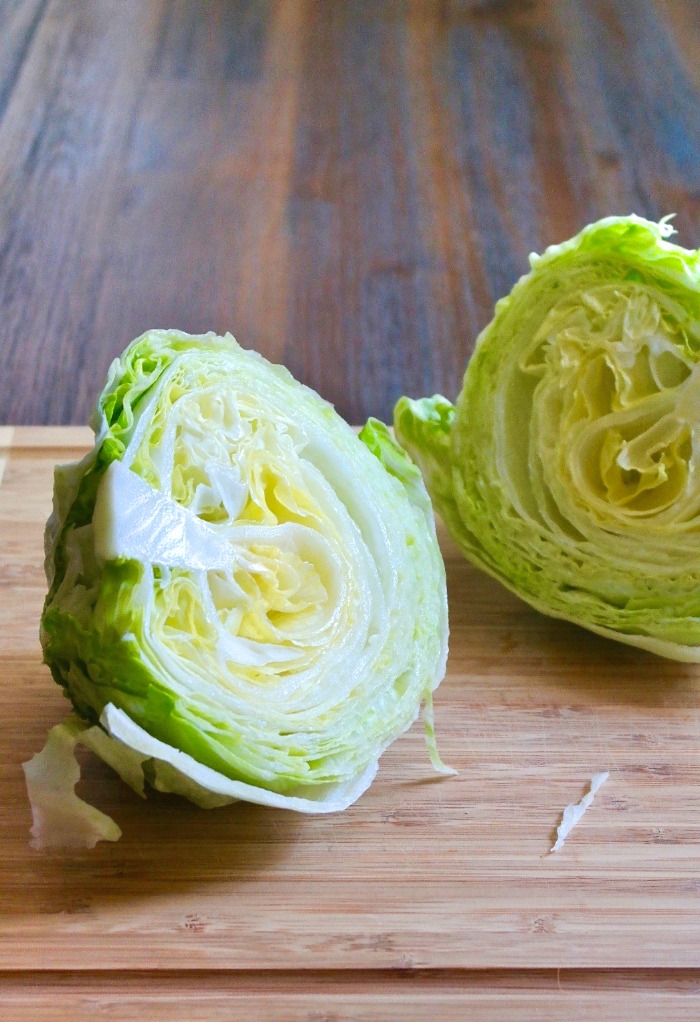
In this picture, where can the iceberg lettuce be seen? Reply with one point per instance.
(247, 600)
(569, 466)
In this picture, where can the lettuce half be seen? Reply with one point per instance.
(247, 600)
(569, 467)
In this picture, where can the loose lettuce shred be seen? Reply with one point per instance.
(246, 600)
(574, 813)
(568, 467)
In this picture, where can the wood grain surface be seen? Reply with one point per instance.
(447, 996)
(346, 186)
(431, 897)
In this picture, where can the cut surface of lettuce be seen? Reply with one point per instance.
(569, 466)
(242, 590)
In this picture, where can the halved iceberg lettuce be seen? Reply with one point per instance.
(569, 467)
(247, 600)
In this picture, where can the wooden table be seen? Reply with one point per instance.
(347, 186)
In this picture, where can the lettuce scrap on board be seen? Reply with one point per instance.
(569, 466)
(246, 599)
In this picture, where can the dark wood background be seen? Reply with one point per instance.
(347, 186)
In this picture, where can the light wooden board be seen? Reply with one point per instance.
(451, 996)
(424, 873)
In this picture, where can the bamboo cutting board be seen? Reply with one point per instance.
(429, 895)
